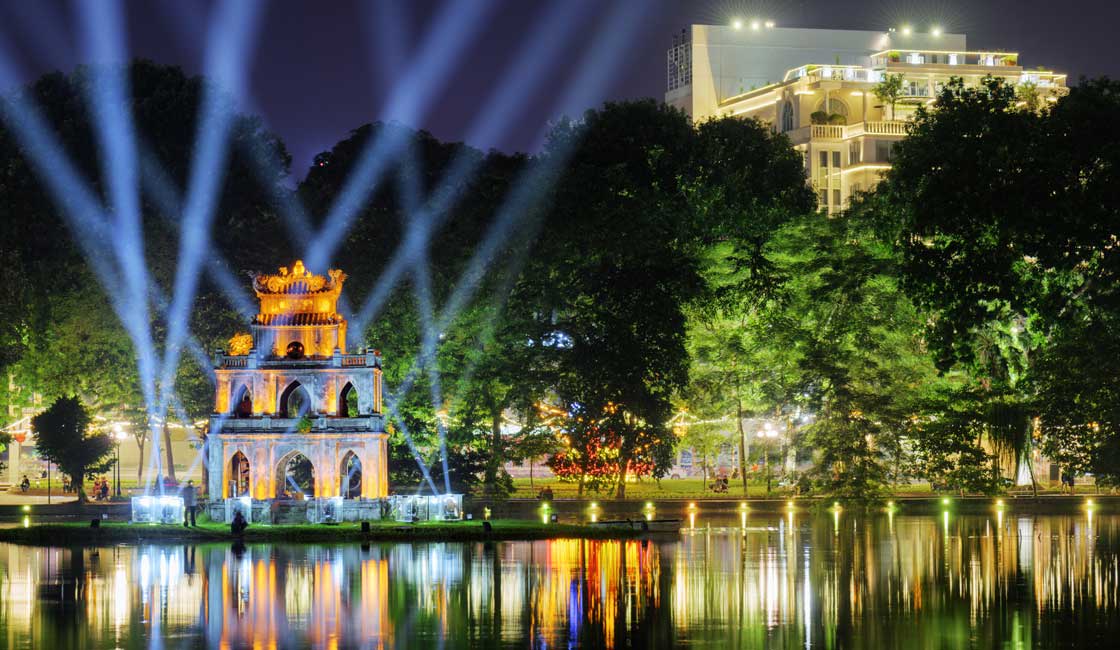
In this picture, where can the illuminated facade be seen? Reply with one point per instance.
(293, 392)
(818, 87)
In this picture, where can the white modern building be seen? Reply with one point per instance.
(818, 87)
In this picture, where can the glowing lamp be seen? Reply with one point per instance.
(19, 436)
(692, 505)
(906, 31)
(935, 31)
(27, 508)
(769, 24)
(945, 502)
(736, 24)
(755, 25)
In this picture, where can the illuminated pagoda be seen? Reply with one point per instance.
(289, 395)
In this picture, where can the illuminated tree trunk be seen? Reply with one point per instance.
(742, 440)
(170, 469)
(140, 463)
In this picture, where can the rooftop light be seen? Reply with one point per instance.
(769, 24)
(906, 30)
(936, 31)
(736, 24)
(755, 25)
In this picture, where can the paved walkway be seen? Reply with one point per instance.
(16, 499)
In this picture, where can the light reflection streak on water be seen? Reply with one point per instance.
(868, 585)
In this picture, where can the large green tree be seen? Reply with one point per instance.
(62, 436)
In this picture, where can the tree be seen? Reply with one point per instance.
(889, 90)
(1007, 243)
(63, 438)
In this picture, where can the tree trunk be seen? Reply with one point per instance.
(79, 487)
(530, 473)
(624, 468)
(494, 465)
(140, 463)
(742, 444)
(169, 471)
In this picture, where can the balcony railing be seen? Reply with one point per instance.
(255, 359)
(929, 57)
(845, 132)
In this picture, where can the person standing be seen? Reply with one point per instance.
(190, 504)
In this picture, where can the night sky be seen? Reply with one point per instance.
(322, 68)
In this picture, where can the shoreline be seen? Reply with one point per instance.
(62, 534)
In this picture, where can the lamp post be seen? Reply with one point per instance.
(118, 437)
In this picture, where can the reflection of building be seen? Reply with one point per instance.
(296, 402)
(817, 86)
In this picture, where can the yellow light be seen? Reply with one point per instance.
(836, 505)
(1089, 503)
(649, 505)
(26, 521)
(27, 508)
(755, 25)
(945, 501)
(594, 505)
(769, 24)
(649, 516)
(743, 505)
(906, 30)
(999, 503)
(594, 517)
(692, 505)
(743, 518)
(857, 93)
(936, 31)
(736, 24)
(789, 504)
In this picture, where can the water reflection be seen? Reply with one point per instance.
(778, 581)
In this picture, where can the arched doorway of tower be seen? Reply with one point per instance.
(295, 402)
(243, 402)
(295, 477)
(238, 478)
(351, 473)
(348, 401)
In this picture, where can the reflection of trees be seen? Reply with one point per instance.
(920, 582)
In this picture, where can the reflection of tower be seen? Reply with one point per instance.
(294, 412)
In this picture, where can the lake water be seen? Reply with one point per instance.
(797, 581)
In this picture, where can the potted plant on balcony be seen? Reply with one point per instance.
(889, 90)
(894, 56)
(818, 117)
(837, 119)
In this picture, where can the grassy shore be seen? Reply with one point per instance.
(459, 531)
(694, 488)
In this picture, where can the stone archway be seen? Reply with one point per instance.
(295, 401)
(348, 401)
(295, 476)
(239, 478)
(350, 476)
(243, 401)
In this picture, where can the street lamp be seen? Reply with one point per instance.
(118, 437)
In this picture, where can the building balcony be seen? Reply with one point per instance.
(902, 58)
(271, 425)
(840, 132)
(364, 359)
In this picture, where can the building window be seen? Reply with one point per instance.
(835, 107)
(953, 60)
(835, 198)
(915, 57)
(835, 160)
(787, 116)
(855, 153)
(883, 150)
